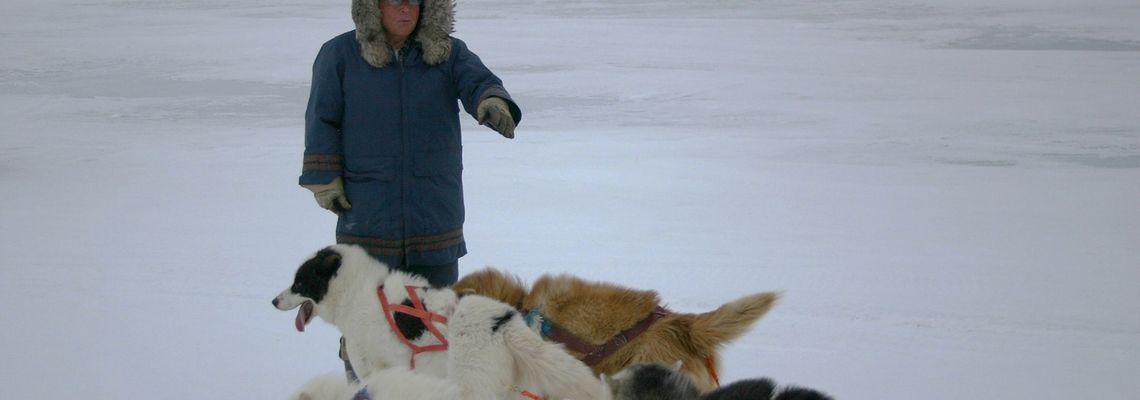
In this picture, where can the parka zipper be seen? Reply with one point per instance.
(408, 171)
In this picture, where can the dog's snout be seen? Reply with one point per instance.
(275, 301)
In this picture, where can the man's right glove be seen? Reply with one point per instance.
(330, 196)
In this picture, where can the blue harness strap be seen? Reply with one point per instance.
(535, 315)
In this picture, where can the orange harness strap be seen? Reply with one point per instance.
(524, 393)
(712, 369)
(418, 311)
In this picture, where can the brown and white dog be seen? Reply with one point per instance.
(610, 327)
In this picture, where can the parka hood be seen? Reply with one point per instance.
(437, 22)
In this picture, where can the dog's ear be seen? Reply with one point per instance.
(328, 263)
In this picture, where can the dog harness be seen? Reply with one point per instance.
(593, 354)
(419, 311)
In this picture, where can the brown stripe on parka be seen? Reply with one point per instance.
(385, 247)
(322, 162)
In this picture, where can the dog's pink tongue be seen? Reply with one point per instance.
(300, 320)
(303, 315)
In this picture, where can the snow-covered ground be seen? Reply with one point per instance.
(946, 191)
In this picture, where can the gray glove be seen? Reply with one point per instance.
(494, 113)
(330, 196)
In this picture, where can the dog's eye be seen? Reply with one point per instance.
(296, 287)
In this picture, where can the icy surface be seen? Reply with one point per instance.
(946, 191)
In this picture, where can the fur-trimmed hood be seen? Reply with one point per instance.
(437, 22)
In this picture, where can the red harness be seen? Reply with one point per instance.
(418, 311)
(427, 317)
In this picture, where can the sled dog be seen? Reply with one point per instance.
(610, 327)
(660, 382)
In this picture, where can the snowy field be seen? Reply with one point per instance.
(946, 190)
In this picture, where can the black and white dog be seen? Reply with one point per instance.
(392, 320)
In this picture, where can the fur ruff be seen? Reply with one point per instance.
(437, 22)
(595, 312)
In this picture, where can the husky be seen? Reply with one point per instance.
(610, 326)
(660, 382)
(350, 290)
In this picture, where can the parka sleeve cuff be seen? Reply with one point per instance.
(319, 169)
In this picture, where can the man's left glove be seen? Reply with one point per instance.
(494, 112)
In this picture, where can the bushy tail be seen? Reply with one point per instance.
(731, 320)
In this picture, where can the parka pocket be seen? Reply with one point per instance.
(442, 162)
(360, 169)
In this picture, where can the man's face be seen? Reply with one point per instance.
(399, 20)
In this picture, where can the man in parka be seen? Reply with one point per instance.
(382, 139)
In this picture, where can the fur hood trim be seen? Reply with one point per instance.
(437, 22)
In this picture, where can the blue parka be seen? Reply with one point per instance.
(392, 133)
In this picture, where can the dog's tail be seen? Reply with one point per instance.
(490, 282)
(730, 321)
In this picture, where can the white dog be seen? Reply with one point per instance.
(391, 319)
